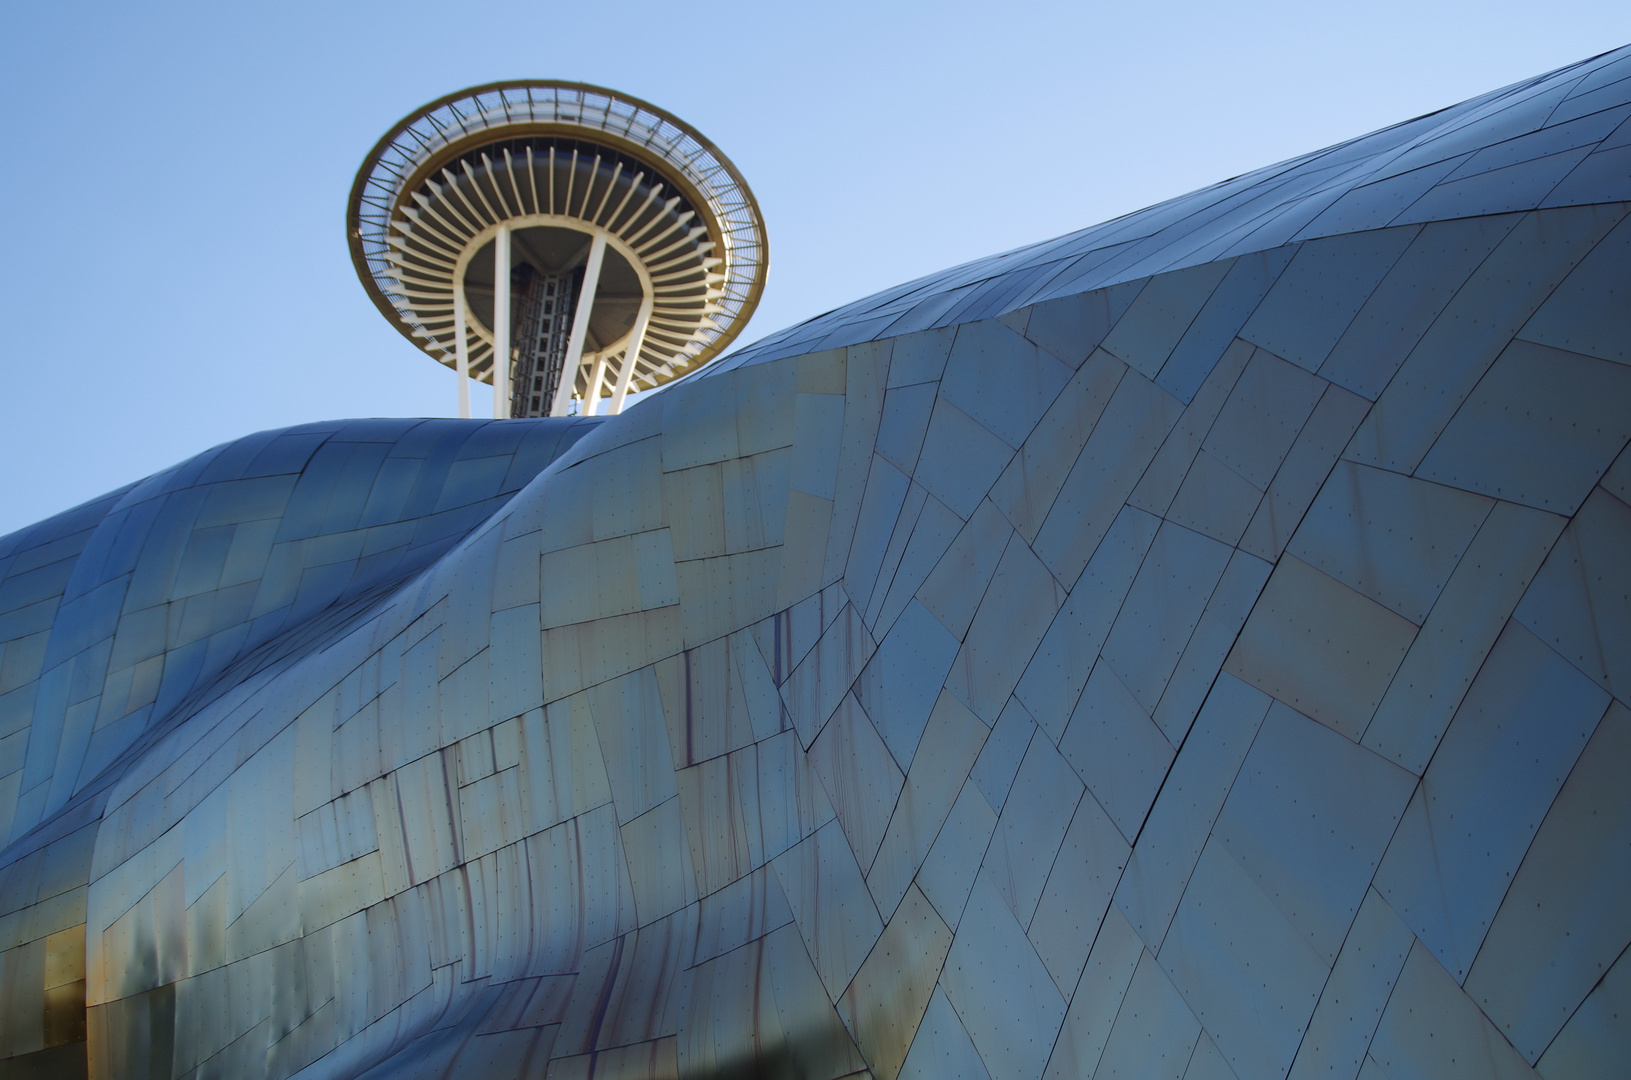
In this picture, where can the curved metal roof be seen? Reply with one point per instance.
(1548, 141)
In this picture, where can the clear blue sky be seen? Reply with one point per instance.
(174, 268)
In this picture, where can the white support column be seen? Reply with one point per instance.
(625, 374)
(461, 350)
(501, 323)
(597, 376)
(580, 327)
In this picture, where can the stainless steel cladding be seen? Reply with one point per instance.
(1195, 647)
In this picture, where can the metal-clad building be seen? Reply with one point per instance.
(1197, 647)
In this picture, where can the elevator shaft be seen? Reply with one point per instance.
(544, 306)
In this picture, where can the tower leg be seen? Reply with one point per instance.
(501, 323)
(597, 376)
(580, 327)
(461, 350)
(625, 374)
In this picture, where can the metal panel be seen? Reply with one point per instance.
(717, 597)
(1097, 1000)
(1160, 482)
(878, 520)
(1229, 306)
(1162, 608)
(633, 1001)
(1374, 204)
(1578, 603)
(824, 676)
(699, 427)
(1475, 188)
(490, 813)
(1004, 747)
(1031, 828)
(1514, 187)
(1351, 1004)
(566, 774)
(1308, 819)
(628, 717)
(932, 531)
(1459, 631)
(514, 666)
(885, 1002)
(831, 905)
(949, 869)
(951, 741)
(787, 637)
(755, 491)
(1001, 380)
(1013, 616)
(865, 369)
(1433, 1031)
(953, 590)
(764, 406)
(1540, 428)
(1078, 892)
(727, 1015)
(1495, 117)
(1260, 421)
(860, 776)
(1207, 1062)
(919, 357)
(1190, 799)
(1564, 921)
(1250, 978)
(1155, 1032)
(1464, 340)
(659, 861)
(905, 422)
(1515, 737)
(702, 703)
(713, 824)
(1320, 647)
(1592, 1045)
(960, 459)
(1064, 660)
(1322, 290)
(1002, 993)
(1146, 335)
(942, 1049)
(1587, 313)
(818, 427)
(911, 511)
(1574, 124)
(1128, 434)
(1072, 326)
(1215, 500)
(1409, 299)
(902, 680)
(1028, 486)
(1219, 625)
(1393, 538)
(744, 911)
(1116, 749)
(780, 796)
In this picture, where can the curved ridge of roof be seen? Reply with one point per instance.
(1558, 139)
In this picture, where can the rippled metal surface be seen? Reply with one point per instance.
(1216, 673)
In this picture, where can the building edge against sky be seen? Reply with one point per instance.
(1196, 646)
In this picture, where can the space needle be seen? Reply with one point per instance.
(566, 243)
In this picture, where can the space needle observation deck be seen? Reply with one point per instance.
(606, 243)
